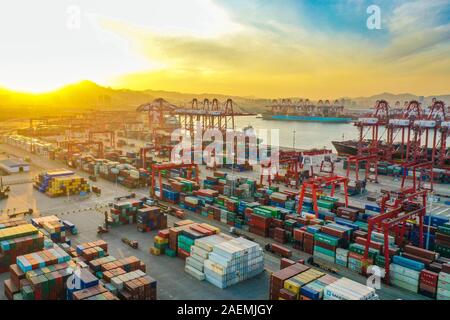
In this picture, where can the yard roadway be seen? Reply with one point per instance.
(173, 282)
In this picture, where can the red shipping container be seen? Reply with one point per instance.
(375, 245)
(298, 235)
(429, 255)
(284, 263)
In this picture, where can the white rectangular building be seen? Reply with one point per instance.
(14, 166)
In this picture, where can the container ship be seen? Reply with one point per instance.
(305, 111)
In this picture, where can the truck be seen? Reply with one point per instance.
(132, 243)
(236, 233)
(3, 190)
(130, 196)
(322, 264)
(70, 227)
(278, 250)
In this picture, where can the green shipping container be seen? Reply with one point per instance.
(325, 238)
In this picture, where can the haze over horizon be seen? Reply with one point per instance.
(314, 49)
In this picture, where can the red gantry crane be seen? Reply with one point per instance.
(72, 145)
(157, 168)
(112, 136)
(409, 204)
(317, 184)
(371, 162)
(371, 125)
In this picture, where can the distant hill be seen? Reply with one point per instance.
(87, 95)
(392, 98)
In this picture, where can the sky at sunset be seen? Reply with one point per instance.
(308, 48)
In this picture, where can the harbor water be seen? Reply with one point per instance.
(302, 135)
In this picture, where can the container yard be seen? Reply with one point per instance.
(231, 233)
(239, 162)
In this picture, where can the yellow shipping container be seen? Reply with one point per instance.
(293, 286)
(160, 240)
(155, 251)
(18, 231)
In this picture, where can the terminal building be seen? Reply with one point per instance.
(11, 166)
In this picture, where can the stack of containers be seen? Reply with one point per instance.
(295, 284)
(259, 224)
(18, 240)
(443, 240)
(190, 203)
(53, 226)
(41, 259)
(200, 252)
(325, 246)
(443, 290)
(57, 183)
(233, 261)
(314, 290)
(405, 273)
(298, 236)
(161, 244)
(150, 218)
(279, 235)
(278, 199)
(428, 284)
(342, 257)
(92, 250)
(346, 289)
(124, 212)
(425, 256)
(308, 242)
(356, 257)
(278, 278)
(45, 283)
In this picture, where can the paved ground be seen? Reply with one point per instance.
(173, 282)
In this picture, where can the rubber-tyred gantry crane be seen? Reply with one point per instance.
(409, 204)
(317, 184)
(112, 136)
(419, 171)
(371, 162)
(157, 168)
(71, 145)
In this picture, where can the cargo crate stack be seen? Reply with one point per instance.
(200, 252)
(74, 280)
(52, 227)
(314, 290)
(190, 203)
(443, 240)
(292, 287)
(299, 282)
(405, 273)
(178, 240)
(124, 212)
(90, 250)
(71, 274)
(233, 261)
(43, 283)
(187, 237)
(122, 173)
(125, 278)
(278, 278)
(161, 244)
(56, 183)
(150, 218)
(346, 289)
(443, 288)
(62, 186)
(17, 240)
(325, 246)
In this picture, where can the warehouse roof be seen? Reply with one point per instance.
(13, 163)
